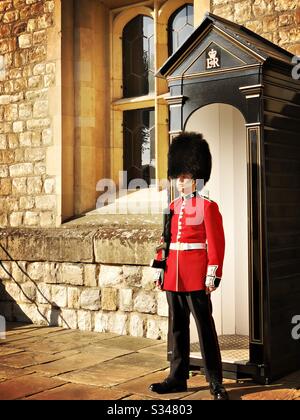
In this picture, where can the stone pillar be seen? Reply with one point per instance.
(68, 109)
(91, 101)
(200, 8)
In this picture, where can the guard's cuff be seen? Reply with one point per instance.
(211, 279)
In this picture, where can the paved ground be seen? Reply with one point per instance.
(43, 363)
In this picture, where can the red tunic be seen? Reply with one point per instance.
(196, 220)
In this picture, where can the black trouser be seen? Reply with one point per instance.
(181, 304)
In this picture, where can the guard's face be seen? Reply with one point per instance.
(185, 184)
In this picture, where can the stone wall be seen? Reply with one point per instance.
(89, 297)
(27, 192)
(94, 279)
(276, 20)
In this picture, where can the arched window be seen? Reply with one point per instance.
(181, 25)
(139, 144)
(138, 57)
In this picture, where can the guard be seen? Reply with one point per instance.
(189, 263)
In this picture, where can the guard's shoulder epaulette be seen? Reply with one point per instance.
(206, 197)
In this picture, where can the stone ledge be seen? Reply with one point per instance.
(107, 245)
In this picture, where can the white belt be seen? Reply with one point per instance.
(181, 246)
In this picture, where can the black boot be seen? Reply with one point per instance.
(218, 391)
(169, 385)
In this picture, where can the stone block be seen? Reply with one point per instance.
(242, 11)
(68, 319)
(90, 275)
(110, 276)
(59, 296)
(101, 322)
(13, 291)
(136, 325)
(21, 169)
(44, 293)
(90, 299)
(126, 300)
(84, 320)
(3, 140)
(47, 202)
(18, 126)
(19, 271)
(4, 271)
(162, 304)
(26, 203)
(73, 297)
(25, 40)
(132, 275)
(157, 328)
(49, 186)
(35, 154)
(117, 323)
(34, 185)
(16, 219)
(72, 274)
(125, 246)
(5, 186)
(109, 299)
(31, 219)
(36, 271)
(19, 186)
(28, 293)
(47, 219)
(40, 109)
(3, 171)
(148, 282)
(145, 303)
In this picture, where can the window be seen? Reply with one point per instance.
(138, 57)
(181, 26)
(139, 144)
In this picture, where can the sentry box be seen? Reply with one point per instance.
(241, 91)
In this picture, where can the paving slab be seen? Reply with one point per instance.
(140, 387)
(79, 392)
(117, 371)
(275, 394)
(90, 357)
(43, 331)
(7, 372)
(160, 349)
(19, 339)
(84, 335)
(130, 343)
(19, 326)
(204, 394)
(5, 350)
(21, 387)
(53, 347)
(28, 359)
(138, 398)
(20, 343)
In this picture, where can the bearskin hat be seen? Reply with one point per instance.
(189, 154)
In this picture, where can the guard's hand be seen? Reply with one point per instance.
(210, 290)
(158, 284)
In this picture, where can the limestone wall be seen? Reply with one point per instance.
(28, 77)
(90, 297)
(94, 279)
(276, 20)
